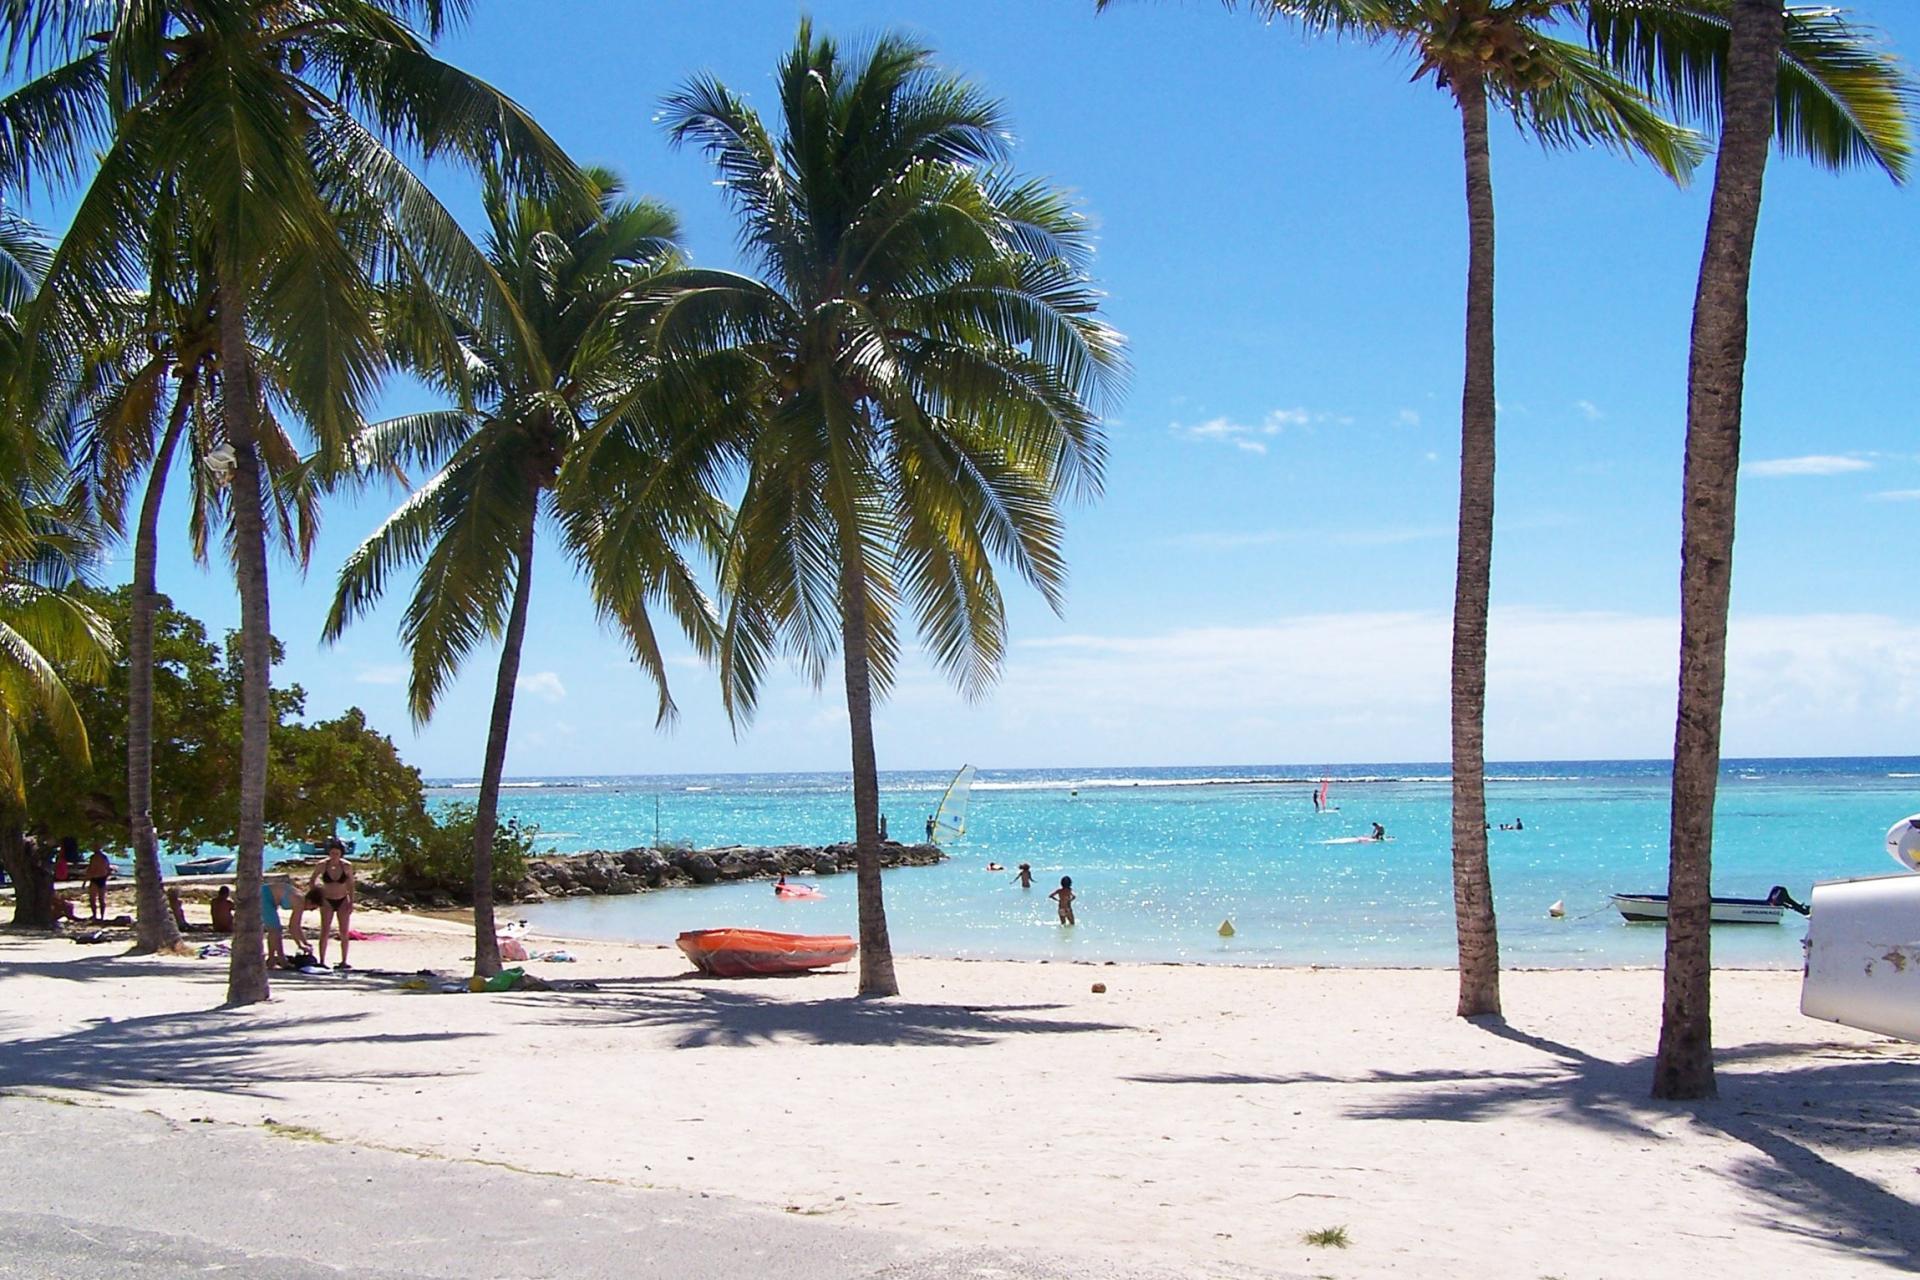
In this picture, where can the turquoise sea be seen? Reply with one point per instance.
(1159, 857)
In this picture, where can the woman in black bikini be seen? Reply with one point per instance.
(334, 880)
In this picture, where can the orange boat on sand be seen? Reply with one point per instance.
(744, 953)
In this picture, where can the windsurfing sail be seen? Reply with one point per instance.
(1320, 801)
(949, 821)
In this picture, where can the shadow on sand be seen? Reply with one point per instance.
(1830, 1099)
(708, 1014)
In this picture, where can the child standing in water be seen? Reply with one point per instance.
(1025, 878)
(1064, 896)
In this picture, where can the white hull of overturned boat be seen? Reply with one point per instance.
(1863, 955)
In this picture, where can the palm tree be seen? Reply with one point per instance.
(47, 637)
(1492, 54)
(918, 377)
(276, 124)
(1756, 70)
(563, 379)
(148, 391)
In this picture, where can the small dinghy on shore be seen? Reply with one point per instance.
(746, 953)
(214, 864)
(1651, 908)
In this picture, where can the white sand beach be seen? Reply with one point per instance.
(1204, 1118)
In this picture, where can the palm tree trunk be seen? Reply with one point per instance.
(486, 942)
(154, 927)
(1472, 882)
(876, 951)
(247, 972)
(1716, 377)
(32, 881)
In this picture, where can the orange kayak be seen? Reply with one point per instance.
(742, 953)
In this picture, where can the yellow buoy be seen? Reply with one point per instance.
(1226, 928)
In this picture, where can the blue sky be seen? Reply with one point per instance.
(1269, 575)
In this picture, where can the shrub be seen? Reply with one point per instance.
(435, 855)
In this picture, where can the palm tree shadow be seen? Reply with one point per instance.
(211, 1051)
(1822, 1098)
(707, 1015)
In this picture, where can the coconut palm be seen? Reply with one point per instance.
(554, 382)
(47, 637)
(1755, 70)
(1492, 55)
(277, 123)
(148, 391)
(917, 375)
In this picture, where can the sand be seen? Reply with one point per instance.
(1202, 1117)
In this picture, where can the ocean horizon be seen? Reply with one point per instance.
(1160, 857)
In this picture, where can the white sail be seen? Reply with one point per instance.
(949, 821)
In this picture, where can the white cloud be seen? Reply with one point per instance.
(1252, 437)
(542, 684)
(1813, 464)
(1898, 495)
(1589, 410)
(1562, 684)
(1407, 418)
(1227, 431)
(390, 673)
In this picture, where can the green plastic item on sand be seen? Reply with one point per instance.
(505, 980)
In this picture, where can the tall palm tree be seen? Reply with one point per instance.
(277, 123)
(1756, 70)
(918, 376)
(46, 635)
(553, 383)
(1492, 54)
(148, 391)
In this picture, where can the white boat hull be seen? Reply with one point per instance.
(1863, 955)
(1648, 908)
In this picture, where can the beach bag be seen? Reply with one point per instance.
(512, 949)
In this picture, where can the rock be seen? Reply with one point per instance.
(825, 864)
(702, 868)
(1099, 988)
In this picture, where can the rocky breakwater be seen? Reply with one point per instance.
(605, 872)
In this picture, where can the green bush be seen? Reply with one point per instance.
(435, 854)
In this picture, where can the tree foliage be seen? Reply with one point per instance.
(332, 772)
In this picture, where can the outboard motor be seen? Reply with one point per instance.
(1779, 897)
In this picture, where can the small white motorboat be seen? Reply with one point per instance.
(214, 864)
(1651, 908)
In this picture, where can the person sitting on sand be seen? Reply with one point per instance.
(1379, 832)
(99, 871)
(1024, 878)
(1064, 896)
(222, 909)
(334, 879)
(179, 910)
